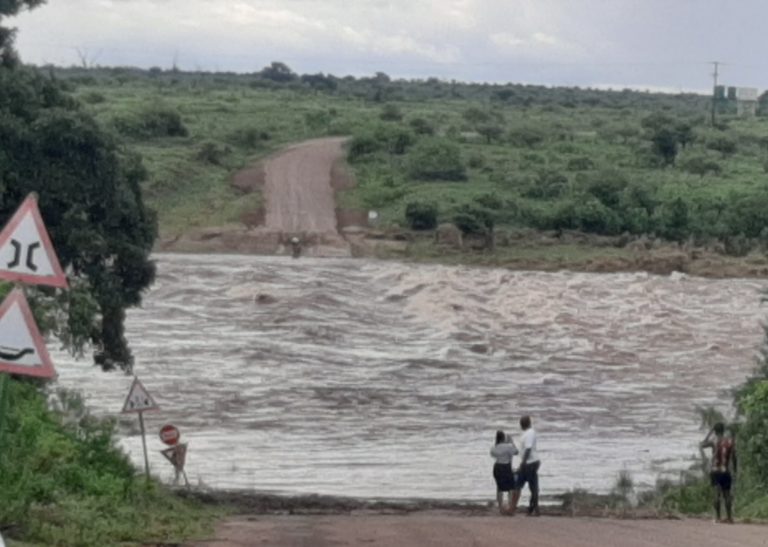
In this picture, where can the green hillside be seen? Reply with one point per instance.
(479, 156)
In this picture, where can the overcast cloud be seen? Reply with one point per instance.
(636, 43)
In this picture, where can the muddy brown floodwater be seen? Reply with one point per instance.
(365, 378)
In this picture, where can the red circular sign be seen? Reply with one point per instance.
(169, 434)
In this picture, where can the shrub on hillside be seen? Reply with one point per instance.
(723, 144)
(701, 165)
(152, 122)
(93, 97)
(362, 145)
(474, 219)
(673, 219)
(581, 163)
(526, 136)
(394, 139)
(248, 137)
(212, 153)
(421, 126)
(548, 185)
(606, 185)
(587, 215)
(391, 113)
(421, 215)
(436, 159)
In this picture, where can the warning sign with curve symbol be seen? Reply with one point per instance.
(26, 252)
(22, 348)
(139, 399)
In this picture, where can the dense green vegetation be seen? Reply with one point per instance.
(64, 482)
(481, 156)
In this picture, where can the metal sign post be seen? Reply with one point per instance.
(4, 381)
(177, 455)
(139, 400)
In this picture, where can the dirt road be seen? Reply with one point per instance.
(449, 530)
(298, 192)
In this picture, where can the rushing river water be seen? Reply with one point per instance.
(381, 379)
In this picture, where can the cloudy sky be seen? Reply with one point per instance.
(653, 44)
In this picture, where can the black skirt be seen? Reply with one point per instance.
(505, 478)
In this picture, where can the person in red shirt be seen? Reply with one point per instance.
(723, 468)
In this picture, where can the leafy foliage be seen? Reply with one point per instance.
(421, 216)
(76, 487)
(436, 159)
(90, 196)
(153, 122)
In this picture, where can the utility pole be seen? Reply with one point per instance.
(714, 90)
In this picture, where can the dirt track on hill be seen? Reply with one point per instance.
(445, 530)
(298, 192)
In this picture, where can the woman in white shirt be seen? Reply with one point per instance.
(502, 452)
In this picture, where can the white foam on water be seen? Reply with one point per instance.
(370, 378)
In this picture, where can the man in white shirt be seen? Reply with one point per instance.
(528, 472)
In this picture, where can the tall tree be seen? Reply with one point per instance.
(89, 195)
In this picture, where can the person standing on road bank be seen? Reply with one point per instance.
(723, 461)
(502, 452)
(528, 472)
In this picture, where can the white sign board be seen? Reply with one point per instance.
(26, 251)
(22, 348)
(746, 93)
(139, 399)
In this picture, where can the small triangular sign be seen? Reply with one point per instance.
(22, 348)
(26, 251)
(177, 455)
(139, 399)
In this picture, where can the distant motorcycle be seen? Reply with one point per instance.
(295, 247)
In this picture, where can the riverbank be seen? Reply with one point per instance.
(530, 251)
(570, 504)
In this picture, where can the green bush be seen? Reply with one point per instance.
(753, 435)
(212, 153)
(526, 136)
(436, 159)
(361, 146)
(701, 165)
(93, 97)
(248, 137)
(421, 126)
(606, 185)
(673, 220)
(723, 144)
(154, 122)
(581, 163)
(474, 219)
(391, 113)
(587, 215)
(548, 185)
(63, 480)
(421, 216)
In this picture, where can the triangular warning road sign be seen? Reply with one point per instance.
(22, 349)
(139, 399)
(177, 455)
(26, 252)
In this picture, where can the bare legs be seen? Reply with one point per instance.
(726, 495)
